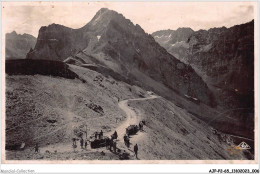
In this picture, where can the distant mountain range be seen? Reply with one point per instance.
(224, 58)
(169, 38)
(113, 41)
(17, 45)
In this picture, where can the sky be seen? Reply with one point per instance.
(28, 17)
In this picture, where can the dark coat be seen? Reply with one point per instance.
(136, 148)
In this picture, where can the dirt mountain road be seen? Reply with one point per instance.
(132, 117)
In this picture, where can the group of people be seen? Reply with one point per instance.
(99, 135)
(111, 142)
(83, 144)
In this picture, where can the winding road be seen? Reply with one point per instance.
(132, 117)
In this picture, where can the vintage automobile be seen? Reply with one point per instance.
(97, 143)
(132, 129)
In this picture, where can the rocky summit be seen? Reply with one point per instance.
(113, 41)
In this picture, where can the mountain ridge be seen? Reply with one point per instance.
(18, 45)
(118, 44)
(224, 58)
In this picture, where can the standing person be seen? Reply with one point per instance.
(101, 134)
(136, 150)
(114, 146)
(36, 148)
(81, 143)
(125, 140)
(115, 135)
(73, 141)
(111, 144)
(107, 143)
(141, 126)
(86, 144)
(74, 145)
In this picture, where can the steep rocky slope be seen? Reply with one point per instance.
(174, 41)
(51, 110)
(57, 42)
(17, 45)
(170, 38)
(111, 40)
(47, 109)
(173, 133)
(224, 58)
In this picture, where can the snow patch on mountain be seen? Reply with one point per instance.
(180, 44)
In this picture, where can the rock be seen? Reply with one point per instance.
(95, 108)
(51, 121)
(98, 78)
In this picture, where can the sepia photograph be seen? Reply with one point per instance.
(129, 82)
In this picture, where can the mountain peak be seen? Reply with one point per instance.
(104, 16)
(17, 45)
(13, 33)
(103, 10)
(187, 29)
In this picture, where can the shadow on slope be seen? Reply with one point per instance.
(42, 67)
